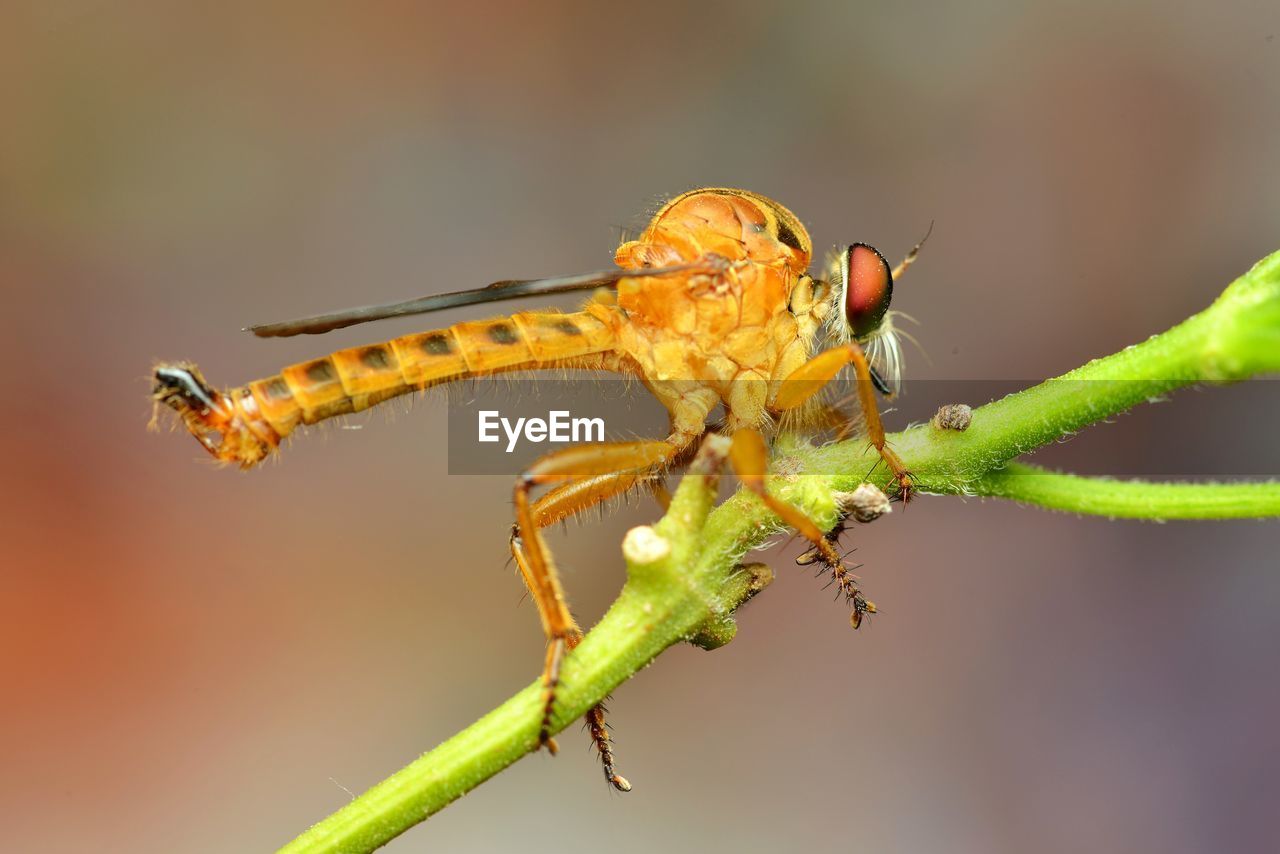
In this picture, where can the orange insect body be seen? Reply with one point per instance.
(728, 332)
(247, 423)
(713, 306)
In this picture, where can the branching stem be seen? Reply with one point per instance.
(684, 581)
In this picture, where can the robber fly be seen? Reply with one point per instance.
(710, 305)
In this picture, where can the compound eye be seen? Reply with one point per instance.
(867, 283)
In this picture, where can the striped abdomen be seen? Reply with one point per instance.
(243, 425)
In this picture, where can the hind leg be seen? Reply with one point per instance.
(587, 476)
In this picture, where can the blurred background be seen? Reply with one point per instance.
(198, 660)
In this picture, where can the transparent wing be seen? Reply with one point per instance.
(504, 290)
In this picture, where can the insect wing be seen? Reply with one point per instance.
(504, 290)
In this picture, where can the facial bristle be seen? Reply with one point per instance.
(884, 350)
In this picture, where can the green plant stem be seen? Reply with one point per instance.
(1129, 499)
(669, 597)
(1234, 339)
(687, 589)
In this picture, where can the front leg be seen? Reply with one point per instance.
(808, 379)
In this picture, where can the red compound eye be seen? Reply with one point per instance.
(868, 287)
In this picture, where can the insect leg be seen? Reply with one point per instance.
(749, 457)
(660, 494)
(587, 476)
(806, 380)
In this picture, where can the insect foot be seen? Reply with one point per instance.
(604, 746)
(861, 605)
(906, 486)
(864, 504)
